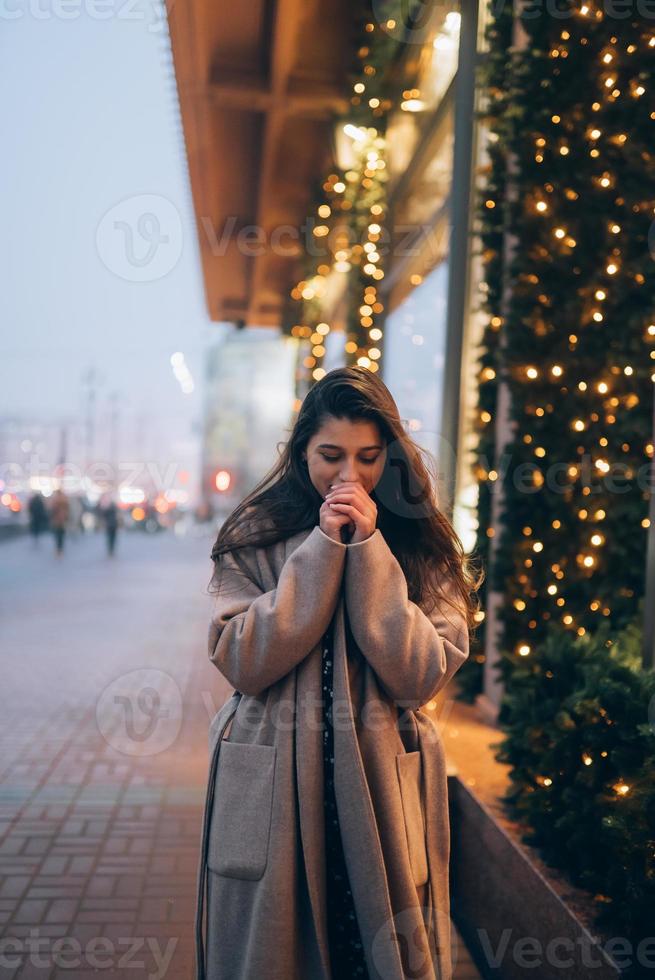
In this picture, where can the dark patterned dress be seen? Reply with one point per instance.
(346, 951)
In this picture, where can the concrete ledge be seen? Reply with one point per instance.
(512, 920)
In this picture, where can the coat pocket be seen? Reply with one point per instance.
(241, 820)
(409, 777)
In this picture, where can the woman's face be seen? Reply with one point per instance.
(342, 450)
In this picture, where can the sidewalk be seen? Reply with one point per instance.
(97, 845)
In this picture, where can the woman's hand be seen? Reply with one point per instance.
(350, 498)
(331, 523)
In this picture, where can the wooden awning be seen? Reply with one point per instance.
(259, 82)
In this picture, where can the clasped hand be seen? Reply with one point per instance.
(351, 499)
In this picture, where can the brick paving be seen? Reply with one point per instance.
(106, 698)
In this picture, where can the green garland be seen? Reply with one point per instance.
(578, 335)
(571, 333)
(351, 207)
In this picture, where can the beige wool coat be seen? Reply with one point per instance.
(262, 870)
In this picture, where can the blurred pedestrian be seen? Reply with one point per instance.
(59, 513)
(38, 515)
(111, 520)
(76, 510)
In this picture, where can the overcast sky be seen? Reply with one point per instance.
(99, 255)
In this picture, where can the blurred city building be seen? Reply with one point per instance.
(249, 394)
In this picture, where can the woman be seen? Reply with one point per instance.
(343, 604)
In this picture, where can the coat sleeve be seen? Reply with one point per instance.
(256, 637)
(413, 653)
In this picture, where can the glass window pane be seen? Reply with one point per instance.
(414, 358)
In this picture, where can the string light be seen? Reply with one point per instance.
(598, 395)
(585, 309)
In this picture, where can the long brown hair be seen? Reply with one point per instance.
(286, 502)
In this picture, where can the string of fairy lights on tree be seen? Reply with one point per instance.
(326, 228)
(571, 334)
(581, 771)
(349, 232)
(579, 357)
(367, 195)
(346, 234)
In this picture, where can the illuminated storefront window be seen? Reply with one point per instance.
(414, 360)
(432, 67)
